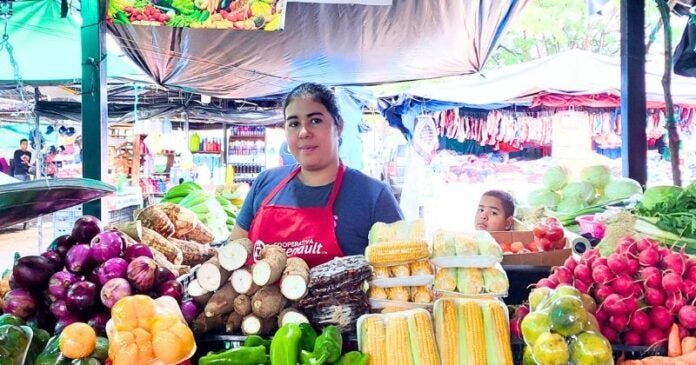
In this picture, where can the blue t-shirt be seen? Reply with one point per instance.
(361, 202)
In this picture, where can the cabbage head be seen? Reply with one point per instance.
(599, 175)
(570, 205)
(582, 189)
(659, 194)
(555, 178)
(543, 198)
(622, 188)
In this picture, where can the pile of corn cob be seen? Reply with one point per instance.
(472, 332)
(472, 280)
(417, 294)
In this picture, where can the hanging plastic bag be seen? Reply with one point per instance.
(685, 53)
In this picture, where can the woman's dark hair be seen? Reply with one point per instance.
(506, 200)
(315, 92)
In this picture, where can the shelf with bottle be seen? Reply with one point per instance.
(207, 146)
(247, 132)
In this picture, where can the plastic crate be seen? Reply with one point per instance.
(63, 220)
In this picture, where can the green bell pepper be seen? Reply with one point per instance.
(10, 319)
(327, 348)
(285, 346)
(14, 341)
(255, 340)
(354, 358)
(38, 343)
(51, 354)
(237, 356)
(309, 337)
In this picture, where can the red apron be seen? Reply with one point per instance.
(308, 233)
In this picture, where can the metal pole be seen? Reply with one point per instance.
(94, 113)
(634, 145)
(39, 164)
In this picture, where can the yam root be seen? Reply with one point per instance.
(198, 294)
(242, 304)
(234, 322)
(234, 254)
(194, 253)
(253, 325)
(267, 302)
(202, 324)
(222, 302)
(156, 241)
(243, 283)
(295, 278)
(162, 260)
(270, 267)
(211, 275)
(291, 315)
(200, 233)
(133, 229)
(154, 218)
(183, 219)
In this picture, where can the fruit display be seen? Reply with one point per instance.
(263, 15)
(472, 331)
(398, 338)
(561, 330)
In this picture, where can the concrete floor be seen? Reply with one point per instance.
(24, 241)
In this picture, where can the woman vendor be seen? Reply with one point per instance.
(495, 212)
(318, 209)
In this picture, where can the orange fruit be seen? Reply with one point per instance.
(132, 312)
(77, 340)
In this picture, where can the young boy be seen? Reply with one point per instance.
(495, 211)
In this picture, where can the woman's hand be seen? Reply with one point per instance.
(238, 232)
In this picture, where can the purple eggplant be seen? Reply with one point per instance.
(112, 268)
(78, 260)
(85, 228)
(59, 283)
(190, 310)
(141, 273)
(20, 302)
(136, 250)
(33, 272)
(106, 245)
(97, 320)
(62, 244)
(162, 274)
(81, 296)
(55, 257)
(114, 290)
(59, 309)
(171, 288)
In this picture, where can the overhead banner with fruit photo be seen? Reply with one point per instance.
(264, 15)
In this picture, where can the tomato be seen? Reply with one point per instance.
(555, 233)
(505, 247)
(544, 244)
(517, 246)
(532, 246)
(539, 231)
(560, 244)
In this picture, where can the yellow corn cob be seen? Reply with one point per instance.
(401, 230)
(373, 340)
(380, 273)
(393, 309)
(399, 271)
(495, 281)
(469, 281)
(377, 293)
(421, 294)
(446, 279)
(497, 332)
(474, 346)
(396, 252)
(398, 343)
(446, 331)
(424, 339)
(421, 268)
(400, 293)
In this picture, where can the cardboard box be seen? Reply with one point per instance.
(547, 258)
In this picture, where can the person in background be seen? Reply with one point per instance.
(495, 212)
(318, 209)
(21, 160)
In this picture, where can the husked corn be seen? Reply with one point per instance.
(399, 271)
(495, 281)
(421, 294)
(446, 326)
(401, 230)
(442, 246)
(474, 347)
(400, 293)
(398, 341)
(421, 268)
(377, 293)
(374, 341)
(446, 279)
(380, 273)
(396, 252)
(497, 332)
(470, 281)
(425, 339)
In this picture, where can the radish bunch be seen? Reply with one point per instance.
(640, 290)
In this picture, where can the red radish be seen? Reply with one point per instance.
(546, 283)
(651, 276)
(601, 274)
(515, 327)
(632, 338)
(570, 263)
(521, 311)
(690, 290)
(663, 251)
(640, 321)
(582, 272)
(646, 243)
(690, 274)
(687, 317)
(660, 317)
(632, 267)
(672, 283)
(622, 285)
(610, 334)
(654, 336)
(602, 292)
(602, 261)
(675, 302)
(649, 257)
(616, 263)
(618, 322)
(637, 291)
(564, 275)
(674, 262)
(654, 297)
(602, 316)
(582, 286)
(627, 245)
(614, 305)
(590, 255)
(630, 304)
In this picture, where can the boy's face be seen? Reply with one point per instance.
(490, 215)
(24, 145)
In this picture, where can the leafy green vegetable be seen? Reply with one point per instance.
(570, 205)
(599, 175)
(658, 194)
(671, 210)
(543, 198)
(622, 188)
(581, 189)
(185, 7)
(555, 178)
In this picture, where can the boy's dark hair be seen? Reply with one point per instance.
(315, 92)
(23, 140)
(506, 200)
